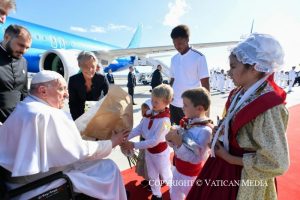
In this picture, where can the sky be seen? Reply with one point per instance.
(114, 22)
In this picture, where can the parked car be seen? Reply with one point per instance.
(146, 79)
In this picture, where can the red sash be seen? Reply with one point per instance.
(165, 113)
(187, 168)
(158, 148)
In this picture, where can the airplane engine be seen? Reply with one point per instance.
(60, 60)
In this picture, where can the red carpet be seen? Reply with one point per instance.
(132, 183)
(288, 184)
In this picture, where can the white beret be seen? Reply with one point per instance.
(45, 76)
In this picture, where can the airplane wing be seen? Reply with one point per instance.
(142, 51)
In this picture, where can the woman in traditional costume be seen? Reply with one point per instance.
(250, 143)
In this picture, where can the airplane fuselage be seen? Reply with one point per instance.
(44, 38)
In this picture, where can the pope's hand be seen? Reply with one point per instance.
(118, 138)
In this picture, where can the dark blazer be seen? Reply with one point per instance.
(157, 78)
(110, 78)
(78, 94)
(13, 83)
(131, 82)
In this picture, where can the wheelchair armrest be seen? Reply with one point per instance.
(33, 185)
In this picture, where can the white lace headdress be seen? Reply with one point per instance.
(261, 50)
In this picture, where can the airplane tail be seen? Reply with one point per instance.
(244, 36)
(136, 39)
(251, 31)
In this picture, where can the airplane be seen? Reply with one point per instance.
(56, 50)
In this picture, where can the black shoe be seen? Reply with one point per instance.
(156, 198)
(134, 104)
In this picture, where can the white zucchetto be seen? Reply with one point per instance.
(45, 76)
(261, 50)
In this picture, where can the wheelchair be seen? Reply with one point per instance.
(63, 192)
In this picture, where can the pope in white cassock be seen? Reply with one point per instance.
(39, 139)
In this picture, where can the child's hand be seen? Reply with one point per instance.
(169, 136)
(130, 146)
(215, 129)
(177, 140)
(174, 138)
(220, 151)
(127, 147)
(123, 149)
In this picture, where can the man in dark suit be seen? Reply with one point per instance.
(110, 77)
(131, 83)
(157, 78)
(13, 68)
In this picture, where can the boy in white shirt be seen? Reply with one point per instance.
(141, 168)
(153, 128)
(190, 141)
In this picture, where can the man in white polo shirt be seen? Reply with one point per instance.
(188, 70)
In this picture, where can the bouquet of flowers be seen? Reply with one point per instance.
(113, 112)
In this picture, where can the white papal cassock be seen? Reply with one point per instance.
(37, 138)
